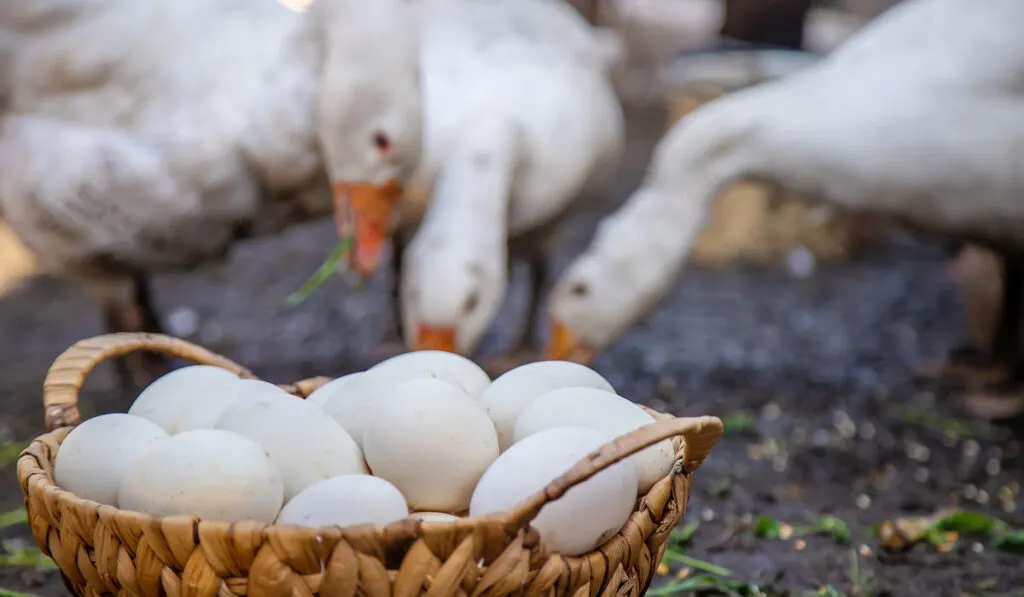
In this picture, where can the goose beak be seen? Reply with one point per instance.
(366, 211)
(431, 338)
(565, 345)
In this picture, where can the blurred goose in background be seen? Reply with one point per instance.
(519, 118)
(919, 117)
(128, 148)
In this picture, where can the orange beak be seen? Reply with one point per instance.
(366, 211)
(565, 345)
(430, 338)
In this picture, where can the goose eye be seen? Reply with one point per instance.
(471, 302)
(382, 142)
(580, 289)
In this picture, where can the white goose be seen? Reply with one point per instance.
(519, 117)
(920, 117)
(143, 134)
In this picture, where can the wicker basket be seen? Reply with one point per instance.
(102, 550)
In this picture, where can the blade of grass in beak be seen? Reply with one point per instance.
(326, 269)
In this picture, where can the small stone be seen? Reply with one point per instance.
(867, 431)
(771, 411)
(183, 322)
(683, 573)
(864, 551)
(863, 501)
(971, 448)
(800, 544)
(977, 547)
(921, 474)
(982, 497)
(970, 491)
(707, 515)
(800, 263)
(662, 569)
(993, 467)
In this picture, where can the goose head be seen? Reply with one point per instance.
(370, 115)
(451, 291)
(639, 251)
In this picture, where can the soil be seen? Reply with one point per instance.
(812, 376)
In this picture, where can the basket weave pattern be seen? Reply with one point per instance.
(102, 550)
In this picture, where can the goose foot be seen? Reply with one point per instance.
(965, 365)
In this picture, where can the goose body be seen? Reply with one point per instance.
(519, 116)
(918, 117)
(145, 135)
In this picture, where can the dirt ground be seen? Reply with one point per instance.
(811, 377)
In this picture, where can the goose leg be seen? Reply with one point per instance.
(982, 274)
(133, 312)
(524, 349)
(1003, 397)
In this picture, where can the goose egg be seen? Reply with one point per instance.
(305, 442)
(95, 455)
(351, 403)
(513, 392)
(173, 395)
(209, 473)
(470, 376)
(603, 411)
(585, 516)
(326, 391)
(433, 441)
(347, 500)
(204, 415)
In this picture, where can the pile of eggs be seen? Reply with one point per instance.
(425, 434)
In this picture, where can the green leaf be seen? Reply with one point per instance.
(696, 564)
(9, 452)
(968, 523)
(1011, 540)
(706, 583)
(836, 527)
(13, 593)
(739, 422)
(681, 535)
(25, 556)
(766, 527)
(16, 516)
(322, 273)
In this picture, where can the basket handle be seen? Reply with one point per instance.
(69, 370)
(700, 434)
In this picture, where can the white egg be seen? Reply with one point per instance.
(433, 441)
(209, 473)
(305, 442)
(204, 415)
(173, 395)
(94, 456)
(514, 391)
(427, 516)
(603, 411)
(326, 391)
(471, 376)
(344, 501)
(352, 402)
(587, 515)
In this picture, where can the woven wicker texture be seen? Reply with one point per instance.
(102, 550)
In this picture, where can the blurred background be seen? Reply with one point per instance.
(798, 332)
